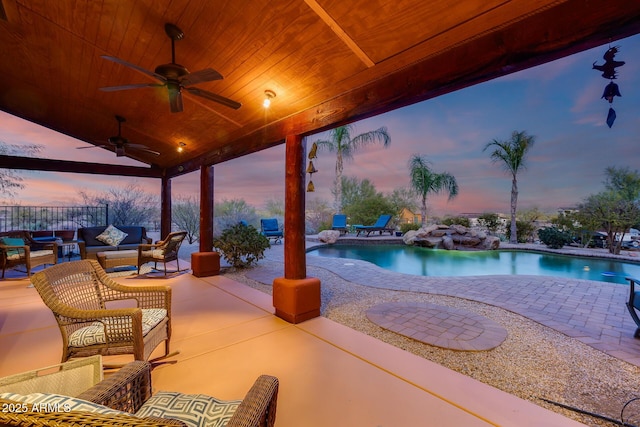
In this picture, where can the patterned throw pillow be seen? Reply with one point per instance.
(111, 236)
(195, 410)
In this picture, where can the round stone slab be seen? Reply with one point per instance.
(437, 325)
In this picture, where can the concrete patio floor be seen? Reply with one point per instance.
(330, 375)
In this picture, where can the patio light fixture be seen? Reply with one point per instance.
(181, 146)
(268, 96)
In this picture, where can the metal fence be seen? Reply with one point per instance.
(52, 217)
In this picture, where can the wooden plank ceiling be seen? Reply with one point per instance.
(329, 62)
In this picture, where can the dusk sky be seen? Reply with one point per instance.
(560, 103)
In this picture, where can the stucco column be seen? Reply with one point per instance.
(206, 262)
(296, 297)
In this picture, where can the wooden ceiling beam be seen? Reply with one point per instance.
(37, 164)
(341, 33)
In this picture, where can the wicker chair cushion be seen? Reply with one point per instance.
(33, 254)
(195, 410)
(111, 236)
(154, 253)
(12, 241)
(45, 402)
(94, 333)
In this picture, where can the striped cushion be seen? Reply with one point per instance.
(94, 333)
(45, 402)
(33, 254)
(195, 410)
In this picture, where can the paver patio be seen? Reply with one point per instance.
(589, 311)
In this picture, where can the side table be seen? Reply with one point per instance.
(67, 248)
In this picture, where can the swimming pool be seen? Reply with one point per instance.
(439, 262)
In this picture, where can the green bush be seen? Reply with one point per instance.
(409, 226)
(553, 237)
(241, 245)
(524, 229)
(459, 220)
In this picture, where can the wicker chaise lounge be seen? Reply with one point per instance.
(129, 391)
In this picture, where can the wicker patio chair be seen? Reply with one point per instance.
(18, 248)
(162, 251)
(77, 293)
(130, 388)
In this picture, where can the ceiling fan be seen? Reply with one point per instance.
(175, 77)
(119, 143)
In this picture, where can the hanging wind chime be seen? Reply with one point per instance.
(609, 72)
(311, 169)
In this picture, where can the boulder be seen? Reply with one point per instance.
(450, 237)
(428, 242)
(459, 229)
(447, 243)
(409, 237)
(329, 236)
(465, 240)
(491, 243)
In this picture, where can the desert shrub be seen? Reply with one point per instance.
(459, 220)
(491, 221)
(525, 230)
(241, 245)
(553, 237)
(409, 226)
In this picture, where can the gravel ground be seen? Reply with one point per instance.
(534, 362)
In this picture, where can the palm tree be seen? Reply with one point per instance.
(344, 145)
(425, 181)
(512, 154)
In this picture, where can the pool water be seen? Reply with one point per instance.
(439, 262)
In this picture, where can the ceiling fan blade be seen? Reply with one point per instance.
(93, 146)
(127, 87)
(135, 67)
(206, 75)
(144, 148)
(175, 99)
(213, 97)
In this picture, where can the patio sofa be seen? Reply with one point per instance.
(89, 245)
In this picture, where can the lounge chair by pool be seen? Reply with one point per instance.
(381, 225)
(340, 223)
(270, 229)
